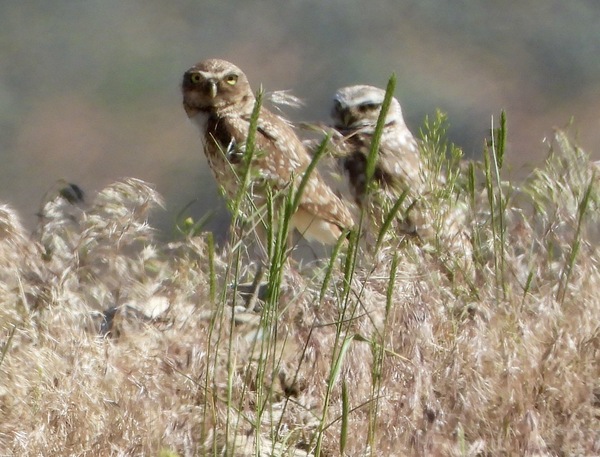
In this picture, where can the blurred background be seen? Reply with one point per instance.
(89, 90)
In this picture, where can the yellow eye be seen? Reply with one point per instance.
(231, 79)
(195, 78)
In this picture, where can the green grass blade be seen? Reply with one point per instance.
(339, 360)
(389, 219)
(345, 414)
(212, 277)
(331, 266)
(376, 141)
(322, 149)
(501, 135)
(576, 244)
(389, 296)
(6, 345)
(249, 153)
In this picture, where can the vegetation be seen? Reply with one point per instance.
(479, 339)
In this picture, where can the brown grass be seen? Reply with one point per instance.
(116, 344)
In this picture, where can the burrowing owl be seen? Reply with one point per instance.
(218, 98)
(426, 213)
(398, 168)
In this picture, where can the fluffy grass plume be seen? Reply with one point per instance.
(114, 343)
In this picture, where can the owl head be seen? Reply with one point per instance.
(215, 85)
(358, 108)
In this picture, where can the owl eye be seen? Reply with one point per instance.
(195, 78)
(368, 107)
(231, 79)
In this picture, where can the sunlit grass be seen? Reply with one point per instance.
(480, 337)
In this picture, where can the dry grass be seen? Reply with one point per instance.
(116, 344)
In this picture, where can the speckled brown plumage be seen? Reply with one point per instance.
(398, 167)
(218, 98)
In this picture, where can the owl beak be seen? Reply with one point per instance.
(212, 88)
(347, 119)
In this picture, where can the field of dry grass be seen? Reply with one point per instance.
(115, 343)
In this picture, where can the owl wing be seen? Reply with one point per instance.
(279, 153)
(318, 201)
(282, 158)
(400, 168)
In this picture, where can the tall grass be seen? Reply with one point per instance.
(479, 338)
